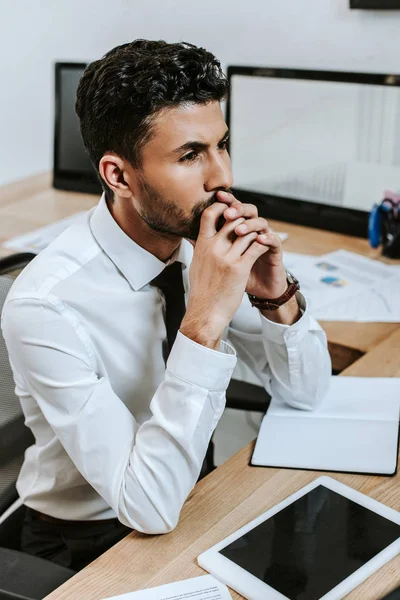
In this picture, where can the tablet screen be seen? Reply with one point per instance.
(312, 545)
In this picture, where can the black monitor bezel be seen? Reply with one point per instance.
(64, 179)
(375, 4)
(322, 216)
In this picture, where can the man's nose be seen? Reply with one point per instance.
(219, 174)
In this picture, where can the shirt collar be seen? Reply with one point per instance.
(137, 265)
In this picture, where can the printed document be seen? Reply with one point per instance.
(380, 304)
(344, 286)
(205, 587)
(327, 279)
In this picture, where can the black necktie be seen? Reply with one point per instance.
(170, 282)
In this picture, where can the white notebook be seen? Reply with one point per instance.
(355, 429)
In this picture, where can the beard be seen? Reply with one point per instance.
(165, 216)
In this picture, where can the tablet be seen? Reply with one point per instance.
(320, 543)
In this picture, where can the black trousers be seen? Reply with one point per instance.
(72, 545)
(75, 545)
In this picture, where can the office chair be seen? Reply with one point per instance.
(394, 595)
(247, 396)
(15, 263)
(21, 576)
(240, 395)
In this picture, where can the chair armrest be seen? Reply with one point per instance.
(15, 261)
(28, 577)
(247, 396)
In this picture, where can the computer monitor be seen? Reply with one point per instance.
(72, 169)
(316, 148)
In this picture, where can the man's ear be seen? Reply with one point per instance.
(113, 170)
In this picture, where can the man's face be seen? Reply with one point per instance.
(183, 166)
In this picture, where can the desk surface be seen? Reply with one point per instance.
(235, 493)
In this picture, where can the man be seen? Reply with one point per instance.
(120, 435)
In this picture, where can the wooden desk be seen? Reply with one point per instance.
(32, 203)
(225, 500)
(235, 493)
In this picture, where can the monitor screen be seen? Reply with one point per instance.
(335, 143)
(73, 169)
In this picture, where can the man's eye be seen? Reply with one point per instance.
(191, 157)
(223, 145)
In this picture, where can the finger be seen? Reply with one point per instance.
(227, 233)
(226, 197)
(238, 209)
(260, 225)
(272, 240)
(209, 220)
(254, 252)
(241, 244)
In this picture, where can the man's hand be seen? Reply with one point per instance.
(219, 274)
(267, 277)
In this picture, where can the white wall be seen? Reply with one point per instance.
(297, 33)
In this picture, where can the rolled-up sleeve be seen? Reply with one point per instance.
(144, 472)
(291, 362)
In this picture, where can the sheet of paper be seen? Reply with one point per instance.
(380, 304)
(356, 267)
(37, 240)
(322, 281)
(205, 587)
(344, 286)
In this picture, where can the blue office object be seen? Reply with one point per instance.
(384, 225)
(374, 226)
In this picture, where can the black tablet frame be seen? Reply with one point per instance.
(312, 214)
(65, 179)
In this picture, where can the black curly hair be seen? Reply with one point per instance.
(119, 94)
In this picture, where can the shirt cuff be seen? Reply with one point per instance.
(207, 368)
(288, 335)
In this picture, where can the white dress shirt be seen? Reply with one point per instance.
(117, 433)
